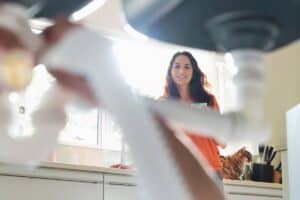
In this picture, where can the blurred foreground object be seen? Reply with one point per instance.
(18, 45)
(241, 24)
(16, 69)
(18, 48)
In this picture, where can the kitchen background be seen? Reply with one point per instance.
(143, 63)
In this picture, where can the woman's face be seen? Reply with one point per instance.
(182, 71)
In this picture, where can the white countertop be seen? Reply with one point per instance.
(108, 170)
(7, 169)
(87, 168)
(92, 160)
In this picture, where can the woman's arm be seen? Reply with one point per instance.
(196, 176)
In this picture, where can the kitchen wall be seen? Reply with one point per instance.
(282, 69)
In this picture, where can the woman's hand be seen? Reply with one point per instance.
(73, 82)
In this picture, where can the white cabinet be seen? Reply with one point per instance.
(236, 190)
(49, 184)
(77, 184)
(17, 188)
(118, 187)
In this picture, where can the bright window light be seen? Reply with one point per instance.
(40, 83)
(137, 35)
(81, 127)
(144, 65)
(230, 64)
(141, 68)
(36, 31)
(14, 97)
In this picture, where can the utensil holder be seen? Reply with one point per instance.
(262, 172)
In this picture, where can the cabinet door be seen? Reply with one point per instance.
(17, 188)
(120, 188)
(252, 191)
(250, 197)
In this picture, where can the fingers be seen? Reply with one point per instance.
(75, 83)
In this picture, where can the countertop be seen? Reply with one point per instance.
(91, 160)
(7, 169)
(87, 168)
(127, 172)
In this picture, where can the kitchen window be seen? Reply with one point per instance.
(144, 68)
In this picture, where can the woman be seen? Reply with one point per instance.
(186, 82)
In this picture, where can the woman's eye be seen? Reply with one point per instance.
(187, 67)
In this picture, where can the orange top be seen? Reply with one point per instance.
(208, 147)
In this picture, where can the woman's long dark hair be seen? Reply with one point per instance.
(197, 84)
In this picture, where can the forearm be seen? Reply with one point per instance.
(196, 175)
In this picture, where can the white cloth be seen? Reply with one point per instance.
(48, 120)
(87, 53)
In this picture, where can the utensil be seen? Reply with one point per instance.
(266, 153)
(269, 153)
(271, 158)
(261, 148)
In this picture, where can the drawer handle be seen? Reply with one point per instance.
(255, 195)
(122, 184)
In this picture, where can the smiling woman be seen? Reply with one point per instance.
(145, 71)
